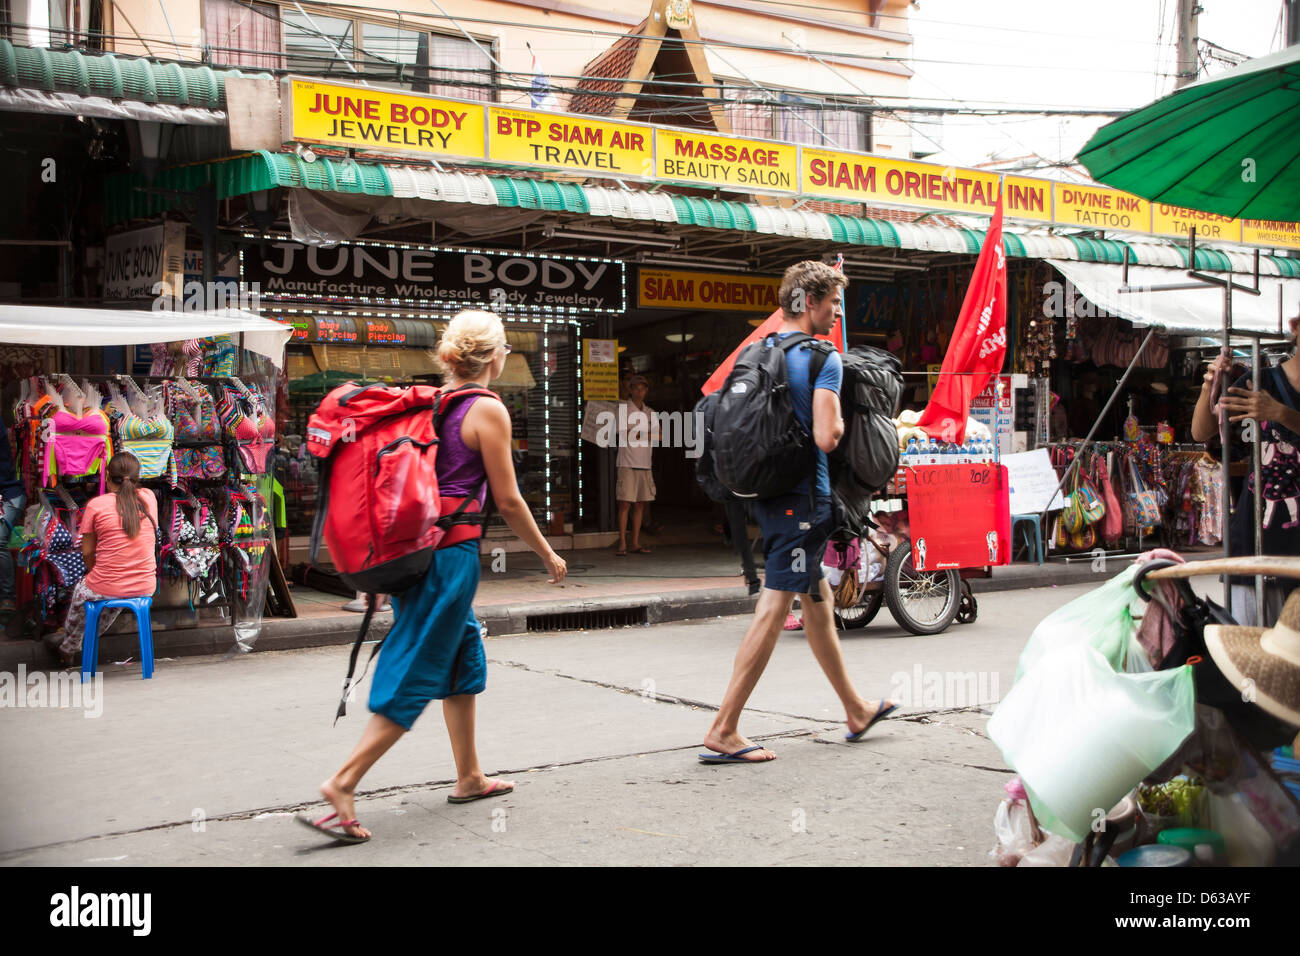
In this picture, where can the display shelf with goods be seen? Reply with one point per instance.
(204, 443)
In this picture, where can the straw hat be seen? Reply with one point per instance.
(1270, 658)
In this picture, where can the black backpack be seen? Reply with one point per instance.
(867, 457)
(760, 449)
(706, 475)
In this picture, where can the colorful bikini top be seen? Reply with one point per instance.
(196, 420)
(76, 447)
(251, 428)
(150, 440)
(195, 543)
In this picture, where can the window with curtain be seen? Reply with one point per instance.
(400, 54)
(796, 119)
(242, 33)
(318, 45)
(461, 68)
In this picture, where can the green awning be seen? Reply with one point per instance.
(114, 77)
(127, 197)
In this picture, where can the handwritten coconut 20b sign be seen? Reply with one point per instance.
(363, 118)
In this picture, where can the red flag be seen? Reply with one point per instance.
(978, 345)
(771, 326)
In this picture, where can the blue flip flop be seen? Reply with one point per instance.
(736, 757)
(880, 715)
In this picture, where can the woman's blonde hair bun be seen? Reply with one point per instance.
(469, 342)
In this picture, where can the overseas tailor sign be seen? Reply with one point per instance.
(392, 273)
(381, 120)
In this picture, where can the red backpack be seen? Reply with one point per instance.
(378, 506)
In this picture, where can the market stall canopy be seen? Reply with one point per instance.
(1181, 310)
(55, 326)
(1226, 145)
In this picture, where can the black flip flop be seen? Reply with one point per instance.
(494, 790)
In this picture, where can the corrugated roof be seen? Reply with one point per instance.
(115, 77)
(264, 170)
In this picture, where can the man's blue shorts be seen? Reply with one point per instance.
(794, 541)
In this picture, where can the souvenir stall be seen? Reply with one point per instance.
(1146, 729)
(202, 425)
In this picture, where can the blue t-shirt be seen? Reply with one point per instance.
(797, 365)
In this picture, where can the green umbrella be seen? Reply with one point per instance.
(1228, 145)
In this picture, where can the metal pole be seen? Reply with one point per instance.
(1225, 506)
(1119, 387)
(1187, 63)
(1255, 467)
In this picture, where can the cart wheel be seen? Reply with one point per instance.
(861, 614)
(969, 608)
(923, 602)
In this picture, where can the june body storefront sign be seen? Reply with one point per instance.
(386, 273)
(381, 120)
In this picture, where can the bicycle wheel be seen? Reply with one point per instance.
(861, 614)
(923, 602)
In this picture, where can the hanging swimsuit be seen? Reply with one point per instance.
(163, 364)
(219, 358)
(77, 447)
(198, 433)
(150, 440)
(247, 534)
(195, 546)
(251, 428)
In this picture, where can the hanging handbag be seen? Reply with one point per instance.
(1112, 524)
(1146, 509)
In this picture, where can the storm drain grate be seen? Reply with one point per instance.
(589, 620)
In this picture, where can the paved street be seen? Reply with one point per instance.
(205, 764)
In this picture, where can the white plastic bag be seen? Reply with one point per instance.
(1081, 736)
(1054, 851)
(1245, 840)
(1099, 619)
(1014, 831)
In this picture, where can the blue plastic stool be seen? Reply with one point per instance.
(1035, 525)
(90, 644)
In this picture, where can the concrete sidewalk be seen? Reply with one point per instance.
(206, 763)
(676, 582)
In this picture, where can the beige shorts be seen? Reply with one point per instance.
(635, 484)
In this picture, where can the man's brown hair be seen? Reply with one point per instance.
(806, 280)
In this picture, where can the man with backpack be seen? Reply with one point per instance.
(795, 517)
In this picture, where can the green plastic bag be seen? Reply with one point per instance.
(1081, 735)
(1100, 619)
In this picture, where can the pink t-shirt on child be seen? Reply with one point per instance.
(124, 567)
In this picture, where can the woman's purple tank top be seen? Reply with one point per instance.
(460, 468)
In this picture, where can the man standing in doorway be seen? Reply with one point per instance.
(638, 432)
(796, 527)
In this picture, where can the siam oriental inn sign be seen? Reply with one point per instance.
(486, 134)
(404, 274)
